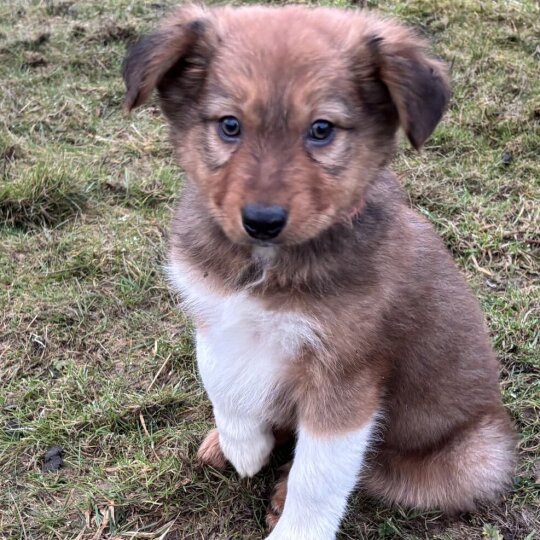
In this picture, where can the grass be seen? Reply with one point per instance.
(95, 357)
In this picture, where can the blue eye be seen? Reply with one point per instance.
(321, 132)
(229, 128)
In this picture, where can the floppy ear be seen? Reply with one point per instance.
(418, 84)
(181, 47)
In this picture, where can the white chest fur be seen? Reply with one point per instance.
(242, 347)
(242, 351)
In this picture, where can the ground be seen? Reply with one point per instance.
(96, 359)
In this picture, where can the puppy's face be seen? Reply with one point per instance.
(284, 116)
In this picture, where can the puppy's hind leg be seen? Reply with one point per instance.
(210, 452)
(477, 465)
(277, 502)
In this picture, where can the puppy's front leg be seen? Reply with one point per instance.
(245, 441)
(324, 473)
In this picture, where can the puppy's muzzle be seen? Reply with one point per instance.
(264, 222)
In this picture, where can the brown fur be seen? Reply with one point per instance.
(277, 501)
(210, 453)
(402, 333)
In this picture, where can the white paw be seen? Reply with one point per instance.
(275, 536)
(248, 456)
(298, 534)
(303, 525)
(281, 534)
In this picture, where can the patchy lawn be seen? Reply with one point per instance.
(94, 356)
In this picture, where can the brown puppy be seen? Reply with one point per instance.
(323, 303)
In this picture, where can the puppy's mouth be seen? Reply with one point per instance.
(262, 245)
(263, 259)
(264, 254)
(265, 244)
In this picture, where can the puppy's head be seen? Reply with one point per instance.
(283, 117)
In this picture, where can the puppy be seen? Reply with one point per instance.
(323, 303)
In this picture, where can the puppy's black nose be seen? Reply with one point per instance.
(263, 222)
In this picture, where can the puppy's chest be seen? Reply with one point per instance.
(243, 349)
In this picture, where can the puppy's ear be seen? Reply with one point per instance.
(418, 84)
(180, 48)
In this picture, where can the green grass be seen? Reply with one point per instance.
(95, 357)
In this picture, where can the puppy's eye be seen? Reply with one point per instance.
(321, 132)
(229, 128)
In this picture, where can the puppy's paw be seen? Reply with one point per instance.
(210, 452)
(248, 456)
(271, 520)
(277, 502)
